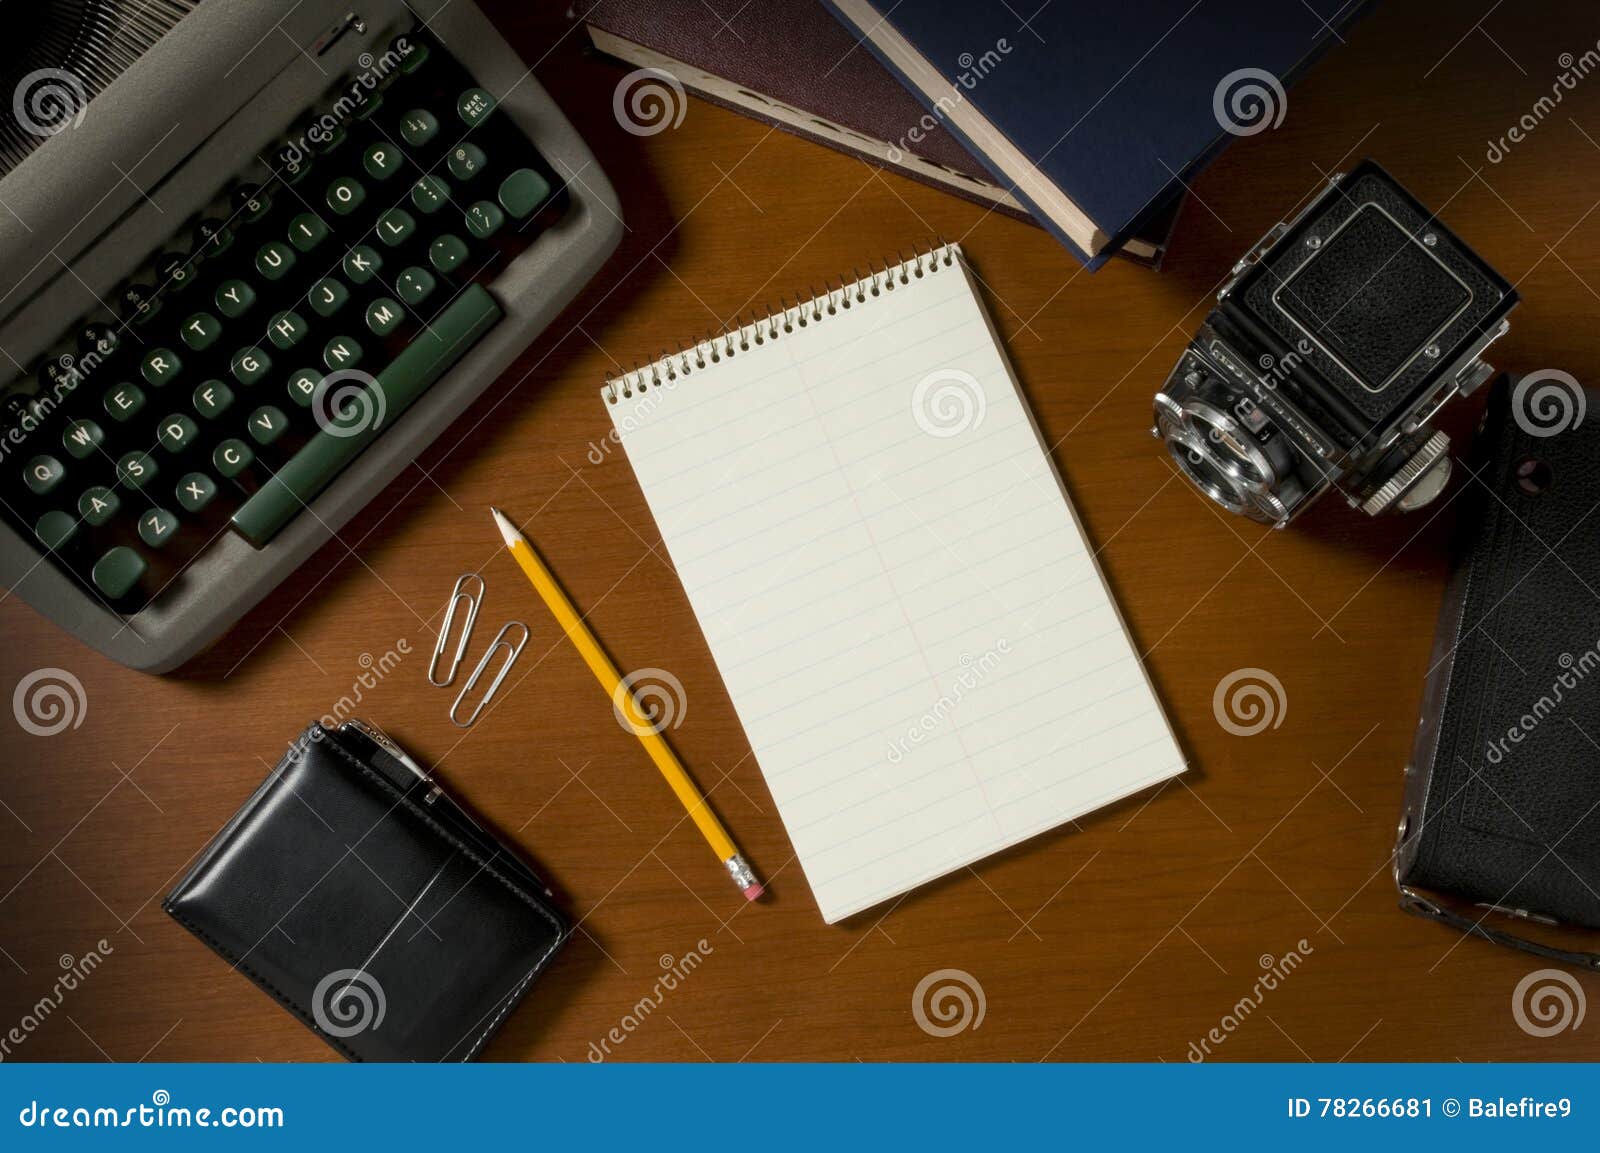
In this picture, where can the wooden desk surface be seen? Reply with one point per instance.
(1127, 938)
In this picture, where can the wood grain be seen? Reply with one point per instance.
(1127, 937)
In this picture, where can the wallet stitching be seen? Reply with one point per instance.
(512, 1000)
(262, 983)
(484, 865)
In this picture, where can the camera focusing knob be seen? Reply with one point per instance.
(1415, 483)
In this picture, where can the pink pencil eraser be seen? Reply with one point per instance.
(751, 892)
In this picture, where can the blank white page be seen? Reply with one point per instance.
(898, 595)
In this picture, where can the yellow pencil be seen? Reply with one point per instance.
(622, 697)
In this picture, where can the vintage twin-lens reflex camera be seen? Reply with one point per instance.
(1336, 340)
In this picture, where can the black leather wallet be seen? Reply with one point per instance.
(352, 889)
(1502, 805)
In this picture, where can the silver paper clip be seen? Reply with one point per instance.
(458, 594)
(512, 652)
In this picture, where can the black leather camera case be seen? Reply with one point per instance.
(1502, 802)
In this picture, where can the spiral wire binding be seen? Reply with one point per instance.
(784, 320)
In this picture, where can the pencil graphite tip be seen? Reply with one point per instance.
(507, 530)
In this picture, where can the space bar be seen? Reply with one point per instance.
(408, 376)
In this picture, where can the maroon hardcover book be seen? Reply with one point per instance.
(791, 64)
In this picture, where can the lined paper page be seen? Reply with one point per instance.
(904, 610)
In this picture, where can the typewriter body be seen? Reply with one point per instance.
(257, 257)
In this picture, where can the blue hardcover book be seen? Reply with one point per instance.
(1096, 115)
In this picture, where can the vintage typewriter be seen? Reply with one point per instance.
(258, 255)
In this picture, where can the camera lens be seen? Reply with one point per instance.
(1204, 470)
(1232, 450)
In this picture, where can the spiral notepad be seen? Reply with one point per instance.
(908, 618)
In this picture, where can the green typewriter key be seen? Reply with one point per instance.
(307, 230)
(447, 252)
(82, 438)
(429, 194)
(118, 571)
(418, 127)
(294, 171)
(341, 352)
(327, 296)
(466, 161)
(97, 505)
(345, 195)
(274, 260)
(232, 457)
(201, 330)
(362, 263)
(123, 400)
(303, 386)
(157, 526)
(177, 432)
(287, 329)
(326, 142)
(415, 285)
(136, 469)
(212, 238)
(522, 192)
(43, 473)
(195, 491)
(412, 57)
(473, 106)
(159, 366)
(55, 528)
(250, 364)
(267, 424)
(484, 219)
(234, 298)
(384, 316)
(251, 200)
(395, 226)
(381, 161)
(212, 398)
